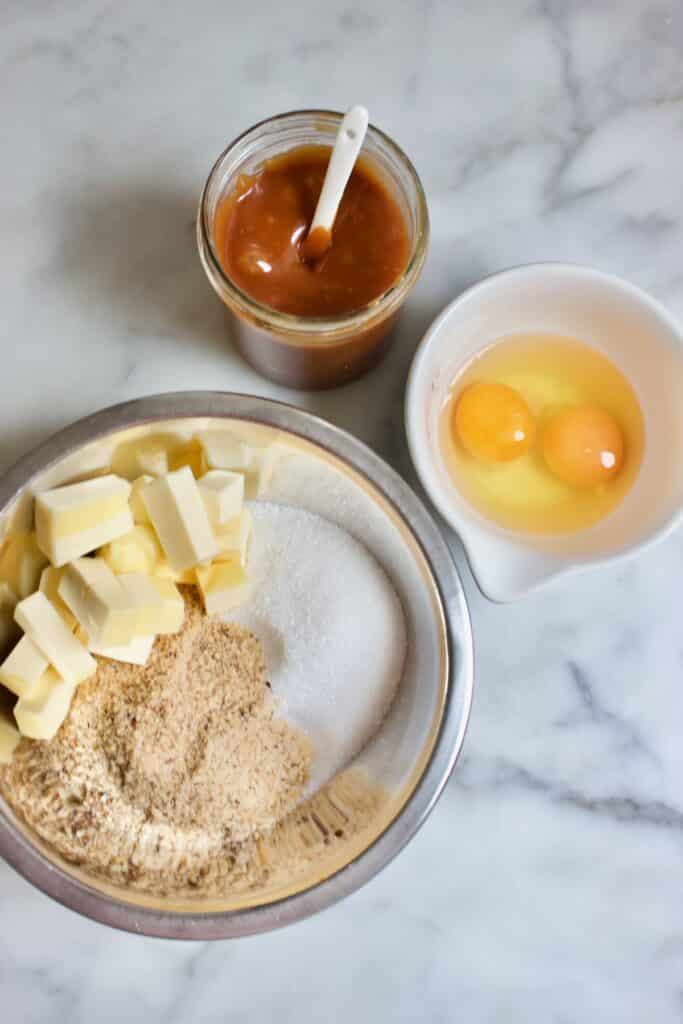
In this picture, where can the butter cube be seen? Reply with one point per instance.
(152, 458)
(136, 652)
(137, 505)
(155, 615)
(222, 450)
(177, 511)
(53, 638)
(9, 631)
(23, 668)
(137, 551)
(263, 460)
(40, 716)
(223, 494)
(144, 453)
(190, 455)
(174, 606)
(93, 593)
(223, 585)
(78, 518)
(82, 635)
(49, 584)
(21, 563)
(9, 738)
(233, 538)
(164, 571)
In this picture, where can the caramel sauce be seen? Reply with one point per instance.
(316, 244)
(261, 231)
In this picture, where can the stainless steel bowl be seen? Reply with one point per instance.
(415, 748)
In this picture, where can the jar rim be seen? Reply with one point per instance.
(321, 326)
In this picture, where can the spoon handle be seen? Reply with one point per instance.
(347, 146)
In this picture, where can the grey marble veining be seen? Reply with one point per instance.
(547, 885)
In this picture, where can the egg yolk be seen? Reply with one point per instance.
(583, 446)
(493, 422)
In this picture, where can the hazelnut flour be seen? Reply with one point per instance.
(180, 776)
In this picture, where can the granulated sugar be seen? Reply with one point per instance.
(332, 630)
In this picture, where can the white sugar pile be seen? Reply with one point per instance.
(332, 629)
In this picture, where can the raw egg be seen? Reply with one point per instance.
(542, 434)
(493, 422)
(583, 446)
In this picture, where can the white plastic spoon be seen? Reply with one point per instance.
(347, 146)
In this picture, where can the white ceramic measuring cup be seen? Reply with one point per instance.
(622, 321)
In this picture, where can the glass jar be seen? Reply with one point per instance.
(312, 352)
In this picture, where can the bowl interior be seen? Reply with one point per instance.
(612, 316)
(393, 761)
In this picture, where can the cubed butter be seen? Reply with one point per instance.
(155, 615)
(82, 635)
(95, 596)
(164, 571)
(222, 450)
(137, 551)
(49, 584)
(137, 505)
(152, 458)
(21, 563)
(78, 518)
(223, 495)
(145, 453)
(136, 652)
(8, 598)
(9, 631)
(262, 463)
(233, 538)
(54, 639)
(9, 738)
(174, 605)
(23, 668)
(223, 585)
(191, 455)
(182, 525)
(40, 716)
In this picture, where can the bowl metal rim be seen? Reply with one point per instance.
(17, 850)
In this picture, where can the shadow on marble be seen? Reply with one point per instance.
(130, 250)
(372, 407)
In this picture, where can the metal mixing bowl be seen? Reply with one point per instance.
(415, 748)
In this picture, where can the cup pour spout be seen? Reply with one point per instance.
(505, 569)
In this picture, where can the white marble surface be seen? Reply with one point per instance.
(547, 885)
